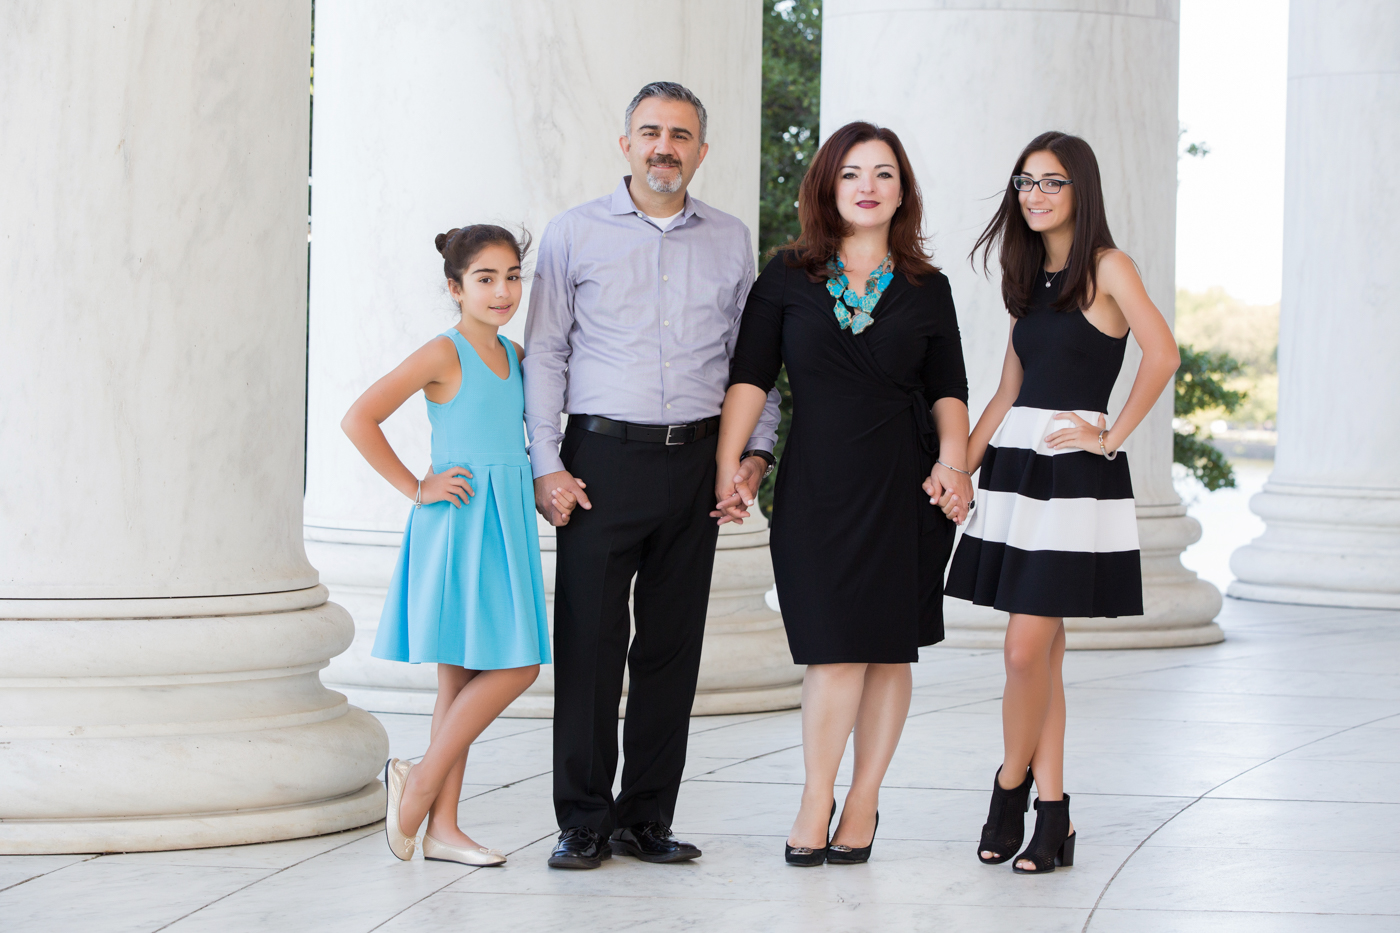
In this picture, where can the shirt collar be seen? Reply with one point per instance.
(622, 202)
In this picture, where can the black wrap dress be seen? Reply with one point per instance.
(858, 550)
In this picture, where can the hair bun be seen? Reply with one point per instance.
(461, 245)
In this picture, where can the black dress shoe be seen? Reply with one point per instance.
(853, 855)
(580, 847)
(806, 856)
(652, 842)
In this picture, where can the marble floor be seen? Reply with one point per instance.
(1246, 786)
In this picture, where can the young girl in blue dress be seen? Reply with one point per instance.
(468, 592)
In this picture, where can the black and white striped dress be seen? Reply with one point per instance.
(1054, 532)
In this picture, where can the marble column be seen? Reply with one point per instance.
(1332, 503)
(161, 630)
(428, 117)
(966, 86)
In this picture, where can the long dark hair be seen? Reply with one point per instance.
(823, 227)
(1022, 251)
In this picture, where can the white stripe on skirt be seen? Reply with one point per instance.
(1092, 525)
(1028, 428)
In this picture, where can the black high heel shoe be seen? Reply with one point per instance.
(805, 856)
(1006, 822)
(846, 855)
(1053, 843)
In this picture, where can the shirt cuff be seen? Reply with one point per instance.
(760, 443)
(544, 459)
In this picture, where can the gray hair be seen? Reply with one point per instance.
(666, 90)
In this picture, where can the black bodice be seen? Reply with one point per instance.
(1069, 364)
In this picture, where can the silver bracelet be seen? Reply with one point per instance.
(418, 499)
(953, 468)
(1103, 449)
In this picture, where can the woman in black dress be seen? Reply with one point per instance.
(1054, 533)
(879, 416)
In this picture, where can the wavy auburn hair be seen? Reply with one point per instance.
(823, 227)
(1022, 250)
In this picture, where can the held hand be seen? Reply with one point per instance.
(933, 487)
(1083, 435)
(749, 478)
(955, 492)
(557, 494)
(731, 493)
(449, 486)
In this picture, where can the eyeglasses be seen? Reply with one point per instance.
(1048, 185)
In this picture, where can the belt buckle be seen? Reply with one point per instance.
(669, 429)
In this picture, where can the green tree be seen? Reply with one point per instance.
(792, 75)
(1200, 386)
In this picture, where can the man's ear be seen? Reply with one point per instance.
(625, 144)
(703, 149)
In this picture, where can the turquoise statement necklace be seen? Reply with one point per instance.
(857, 318)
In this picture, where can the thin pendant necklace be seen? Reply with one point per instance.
(1050, 276)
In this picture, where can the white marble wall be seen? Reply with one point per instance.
(428, 117)
(1332, 504)
(966, 85)
(160, 627)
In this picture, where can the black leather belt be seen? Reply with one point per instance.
(669, 434)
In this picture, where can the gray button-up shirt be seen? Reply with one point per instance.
(634, 324)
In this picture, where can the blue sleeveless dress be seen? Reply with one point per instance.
(468, 589)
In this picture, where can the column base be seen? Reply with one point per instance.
(1179, 606)
(124, 730)
(1322, 546)
(194, 831)
(971, 626)
(1302, 596)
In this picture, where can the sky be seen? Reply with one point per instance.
(1229, 209)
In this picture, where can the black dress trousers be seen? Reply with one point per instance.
(650, 520)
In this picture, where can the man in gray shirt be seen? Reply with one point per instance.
(634, 313)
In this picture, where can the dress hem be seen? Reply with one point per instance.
(471, 667)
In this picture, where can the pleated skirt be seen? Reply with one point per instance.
(1054, 532)
(468, 588)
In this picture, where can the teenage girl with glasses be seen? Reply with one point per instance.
(1054, 531)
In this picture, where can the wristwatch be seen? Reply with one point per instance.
(767, 458)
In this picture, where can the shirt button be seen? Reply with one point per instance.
(665, 278)
(668, 405)
(665, 323)
(668, 364)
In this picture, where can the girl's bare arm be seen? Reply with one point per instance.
(429, 366)
(1160, 357)
(992, 415)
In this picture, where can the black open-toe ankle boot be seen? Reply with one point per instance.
(1006, 821)
(1053, 843)
(805, 856)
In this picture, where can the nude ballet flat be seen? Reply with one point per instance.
(395, 780)
(442, 852)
